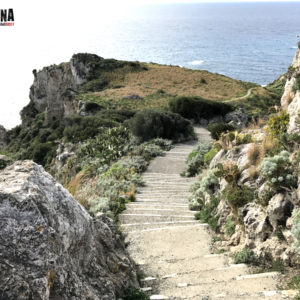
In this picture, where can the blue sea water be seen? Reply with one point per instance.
(248, 41)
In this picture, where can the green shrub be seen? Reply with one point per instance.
(279, 172)
(207, 214)
(79, 128)
(296, 86)
(229, 227)
(149, 124)
(216, 129)
(229, 171)
(245, 256)
(238, 196)
(133, 293)
(210, 155)
(197, 108)
(196, 159)
(278, 124)
(43, 153)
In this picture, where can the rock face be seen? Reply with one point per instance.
(291, 97)
(3, 137)
(54, 88)
(50, 247)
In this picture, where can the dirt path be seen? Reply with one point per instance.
(174, 250)
(242, 97)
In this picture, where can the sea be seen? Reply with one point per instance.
(248, 41)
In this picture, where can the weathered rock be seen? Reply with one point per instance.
(279, 210)
(54, 87)
(257, 226)
(3, 137)
(50, 247)
(294, 112)
(237, 118)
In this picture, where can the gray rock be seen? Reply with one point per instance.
(3, 137)
(50, 247)
(54, 87)
(279, 210)
(237, 118)
(257, 226)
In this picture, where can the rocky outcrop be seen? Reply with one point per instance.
(54, 87)
(50, 247)
(3, 137)
(290, 100)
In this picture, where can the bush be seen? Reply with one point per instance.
(278, 124)
(254, 154)
(210, 155)
(296, 86)
(79, 128)
(238, 196)
(197, 108)
(149, 124)
(216, 129)
(195, 160)
(207, 213)
(278, 171)
(245, 256)
(43, 153)
(133, 293)
(229, 171)
(207, 185)
(229, 227)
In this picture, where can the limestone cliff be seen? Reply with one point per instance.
(291, 97)
(54, 87)
(50, 247)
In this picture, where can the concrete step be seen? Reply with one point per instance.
(198, 286)
(136, 228)
(161, 211)
(158, 203)
(192, 264)
(143, 218)
(138, 204)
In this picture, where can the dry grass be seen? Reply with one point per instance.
(253, 172)
(255, 154)
(268, 144)
(160, 83)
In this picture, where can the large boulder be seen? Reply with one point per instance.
(257, 226)
(279, 210)
(237, 118)
(50, 247)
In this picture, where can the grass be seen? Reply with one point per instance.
(157, 84)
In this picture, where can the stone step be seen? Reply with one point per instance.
(158, 203)
(149, 205)
(184, 242)
(165, 199)
(145, 218)
(162, 200)
(160, 228)
(160, 194)
(197, 286)
(161, 211)
(182, 265)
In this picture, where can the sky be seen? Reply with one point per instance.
(44, 33)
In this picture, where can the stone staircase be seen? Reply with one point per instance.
(173, 249)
